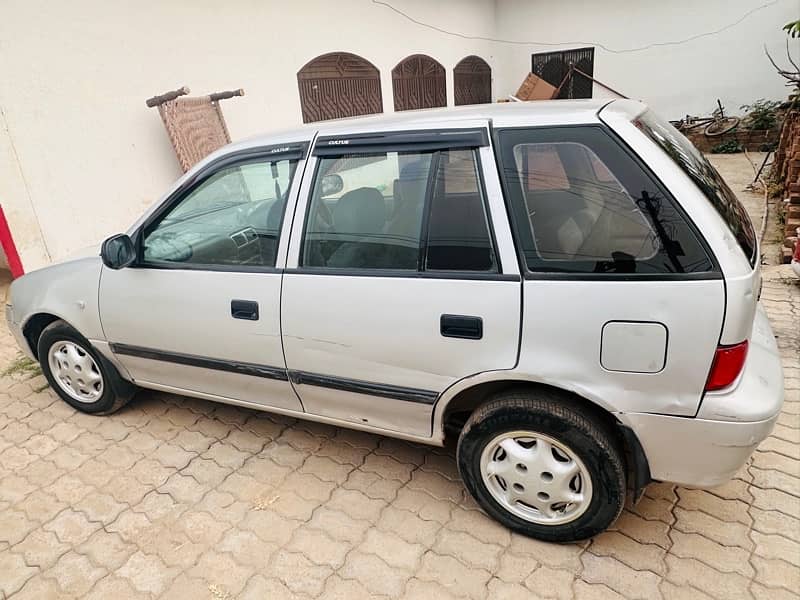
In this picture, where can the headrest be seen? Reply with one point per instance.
(362, 210)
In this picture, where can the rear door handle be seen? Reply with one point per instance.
(461, 326)
(244, 309)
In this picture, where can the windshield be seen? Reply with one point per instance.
(706, 177)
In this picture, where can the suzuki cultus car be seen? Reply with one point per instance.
(568, 289)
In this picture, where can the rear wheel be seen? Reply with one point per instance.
(78, 373)
(538, 465)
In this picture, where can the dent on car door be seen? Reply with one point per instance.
(624, 300)
(395, 288)
(199, 312)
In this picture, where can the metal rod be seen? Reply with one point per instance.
(600, 83)
(761, 168)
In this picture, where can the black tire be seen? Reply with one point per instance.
(116, 390)
(559, 417)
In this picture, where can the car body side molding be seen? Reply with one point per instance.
(202, 362)
(364, 387)
(297, 377)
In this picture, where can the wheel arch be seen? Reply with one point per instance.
(33, 327)
(453, 410)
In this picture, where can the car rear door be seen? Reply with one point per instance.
(402, 281)
(198, 313)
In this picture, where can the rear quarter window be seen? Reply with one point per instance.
(705, 177)
(581, 203)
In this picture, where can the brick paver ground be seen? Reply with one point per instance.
(180, 498)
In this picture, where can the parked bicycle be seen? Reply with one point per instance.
(715, 125)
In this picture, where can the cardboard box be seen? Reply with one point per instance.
(535, 88)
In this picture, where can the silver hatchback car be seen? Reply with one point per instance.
(568, 289)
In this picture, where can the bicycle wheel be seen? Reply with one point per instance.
(721, 126)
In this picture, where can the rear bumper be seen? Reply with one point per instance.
(709, 449)
(696, 452)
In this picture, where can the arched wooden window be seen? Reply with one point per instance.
(419, 82)
(472, 80)
(338, 85)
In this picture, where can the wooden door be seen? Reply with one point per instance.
(419, 82)
(337, 85)
(472, 81)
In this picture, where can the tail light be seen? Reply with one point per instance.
(728, 363)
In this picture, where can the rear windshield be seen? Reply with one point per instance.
(695, 165)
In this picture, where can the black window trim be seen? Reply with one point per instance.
(494, 275)
(403, 273)
(297, 151)
(755, 253)
(527, 274)
(419, 140)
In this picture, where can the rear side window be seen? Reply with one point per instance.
(705, 176)
(582, 204)
(406, 211)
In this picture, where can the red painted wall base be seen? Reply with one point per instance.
(9, 248)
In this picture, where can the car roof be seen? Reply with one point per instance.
(502, 114)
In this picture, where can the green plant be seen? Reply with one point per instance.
(792, 29)
(24, 366)
(761, 114)
(775, 189)
(729, 147)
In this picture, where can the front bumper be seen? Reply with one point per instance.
(709, 449)
(16, 331)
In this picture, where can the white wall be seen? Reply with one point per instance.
(81, 156)
(74, 77)
(675, 80)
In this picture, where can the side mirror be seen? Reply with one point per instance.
(332, 184)
(118, 251)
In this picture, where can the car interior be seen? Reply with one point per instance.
(236, 224)
(363, 229)
(577, 208)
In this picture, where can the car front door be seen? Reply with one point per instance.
(198, 312)
(401, 277)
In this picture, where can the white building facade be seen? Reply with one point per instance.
(81, 156)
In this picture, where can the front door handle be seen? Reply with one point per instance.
(244, 309)
(461, 326)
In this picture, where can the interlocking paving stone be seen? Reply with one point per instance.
(181, 498)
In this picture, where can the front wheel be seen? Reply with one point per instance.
(78, 373)
(537, 464)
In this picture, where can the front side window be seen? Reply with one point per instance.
(407, 211)
(581, 204)
(705, 176)
(233, 218)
